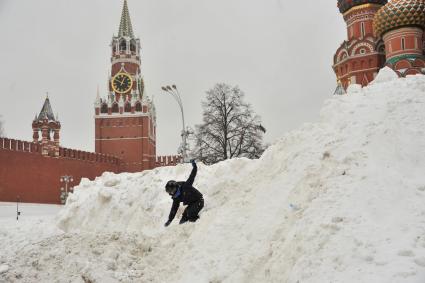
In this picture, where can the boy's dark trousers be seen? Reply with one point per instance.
(191, 211)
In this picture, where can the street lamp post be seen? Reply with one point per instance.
(17, 209)
(175, 93)
(64, 193)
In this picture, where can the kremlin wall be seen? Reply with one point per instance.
(28, 175)
(31, 171)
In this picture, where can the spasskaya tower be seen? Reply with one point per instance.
(125, 119)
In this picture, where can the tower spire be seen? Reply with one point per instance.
(125, 24)
(46, 111)
(339, 89)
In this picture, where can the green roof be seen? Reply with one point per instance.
(125, 24)
(410, 57)
(46, 112)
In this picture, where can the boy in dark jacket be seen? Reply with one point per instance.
(186, 193)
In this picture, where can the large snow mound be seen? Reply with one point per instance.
(341, 200)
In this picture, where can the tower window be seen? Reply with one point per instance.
(132, 46)
(138, 107)
(403, 43)
(104, 108)
(127, 107)
(123, 45)
(115, 108)
(362, 29)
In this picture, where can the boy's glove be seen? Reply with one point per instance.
(167, 223)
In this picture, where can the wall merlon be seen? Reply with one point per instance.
(87, 156)
(19, 145)
(167, 160)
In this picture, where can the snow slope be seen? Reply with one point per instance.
(341, 200)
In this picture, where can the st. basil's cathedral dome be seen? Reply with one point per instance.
(345, 5)
(400, 13)
(380, 33)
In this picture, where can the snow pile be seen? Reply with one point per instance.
(36, 222)
(336, 201)
(386, 74)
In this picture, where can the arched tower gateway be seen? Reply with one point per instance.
(401, 24)
(125, 121)
(49, 127)
(359, 58)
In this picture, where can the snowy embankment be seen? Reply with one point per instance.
(341, 200)
(36, 222)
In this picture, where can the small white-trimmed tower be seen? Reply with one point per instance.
(49, 127)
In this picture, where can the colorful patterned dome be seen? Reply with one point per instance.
(345, 5)
(399, 13)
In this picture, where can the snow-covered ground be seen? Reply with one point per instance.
(36, 223)
(341, 200)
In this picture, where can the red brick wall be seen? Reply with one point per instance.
(24, 172)
(363, 57)
(129, 138)
(129, 67)
(412, 37)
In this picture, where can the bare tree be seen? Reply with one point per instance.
(230, 127)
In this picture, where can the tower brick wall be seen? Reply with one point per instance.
(358, 60)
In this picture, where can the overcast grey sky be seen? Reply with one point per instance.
(279, 52)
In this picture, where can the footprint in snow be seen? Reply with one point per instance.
(406, 253)
(421, 189)
(420, 261)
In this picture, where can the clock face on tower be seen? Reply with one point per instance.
(122, 82)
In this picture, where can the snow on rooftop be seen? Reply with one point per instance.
(341, 200)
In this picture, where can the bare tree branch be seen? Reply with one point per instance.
(230, 127)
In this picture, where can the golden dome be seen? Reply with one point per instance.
(399, 13)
